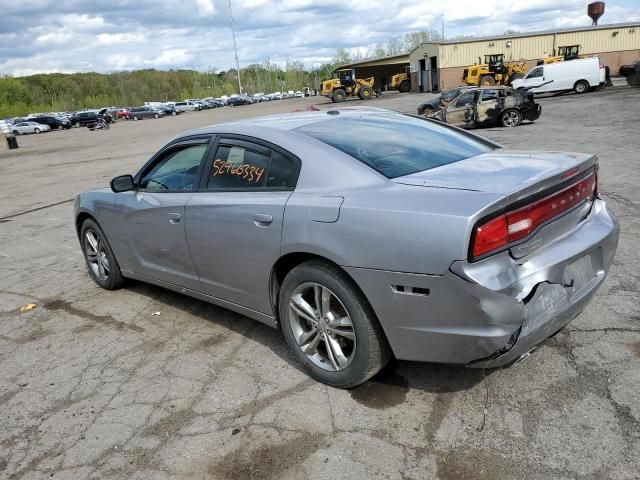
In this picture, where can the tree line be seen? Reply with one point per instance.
(55, 92)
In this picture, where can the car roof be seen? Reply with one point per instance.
(291, 121)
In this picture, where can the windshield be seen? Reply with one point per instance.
(395, 145)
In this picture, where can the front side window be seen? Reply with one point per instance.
(535, 73)
(570, 51)
(176, 170)
(395, 145)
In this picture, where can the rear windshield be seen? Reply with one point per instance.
(395, 145)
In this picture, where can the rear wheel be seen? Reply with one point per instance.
(156, 116)
(365, 93)
(36, 130)
(339, 95)
(510, 118)
(330, 327)
(102, 264)
(581, 86)
(487, 81)
(135, 117)
(405, 86)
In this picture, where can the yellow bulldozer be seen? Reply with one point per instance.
(400, 81)
(494, 71)
(344, 84)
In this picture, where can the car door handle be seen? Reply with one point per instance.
(262, 219)
(174, 217)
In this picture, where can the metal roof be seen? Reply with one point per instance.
(402, 58)
(537, 33)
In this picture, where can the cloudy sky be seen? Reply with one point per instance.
(79, 35)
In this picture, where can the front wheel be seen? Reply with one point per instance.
(339, 95)
(36, 130)
(102, 264)
(330, 326)
(16, 132)
(365, 93)
(510, 118)
(135, 117)
(156, 116)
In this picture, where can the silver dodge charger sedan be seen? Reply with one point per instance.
(362, 234)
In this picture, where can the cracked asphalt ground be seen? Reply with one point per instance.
(94, 385)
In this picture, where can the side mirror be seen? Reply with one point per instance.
(123, 183)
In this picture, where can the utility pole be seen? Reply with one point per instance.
(235, 47)
(442, 34)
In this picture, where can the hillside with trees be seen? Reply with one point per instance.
(55, 92)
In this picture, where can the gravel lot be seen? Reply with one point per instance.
(94, 385)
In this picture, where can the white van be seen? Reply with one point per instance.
(579, 75)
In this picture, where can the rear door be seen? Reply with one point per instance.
(152, 215)
(234, 222)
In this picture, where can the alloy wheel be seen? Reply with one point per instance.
(322, 327)
(96, 255)
(511, 118)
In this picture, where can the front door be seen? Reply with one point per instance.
(461, 111)
(234, 222)
(152, 215)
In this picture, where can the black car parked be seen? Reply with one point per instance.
(238, 100)
(138, 113)
(53, 122)
(87, 118)
(168, 109)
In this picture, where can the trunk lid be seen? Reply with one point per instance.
(515, 174)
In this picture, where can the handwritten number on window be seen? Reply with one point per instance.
(250, 173)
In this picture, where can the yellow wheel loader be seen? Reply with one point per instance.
(400, 81)
(494, 71)
(344, 84)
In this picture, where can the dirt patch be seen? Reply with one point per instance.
(208, 342)
(635, 348)
(385, 391)
(471, 466)
(106, 320)
(169, 425)
(439, 410)
(266, 462)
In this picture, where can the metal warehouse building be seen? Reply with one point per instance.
(438, 65)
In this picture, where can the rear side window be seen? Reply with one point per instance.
(395, 145)
(236, 167)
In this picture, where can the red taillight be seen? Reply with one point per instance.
(517, 224)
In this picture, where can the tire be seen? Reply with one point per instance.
(339, 95)
(365, 93)
(112, 278)
(156, 116)
(427, 111)
(77, 124)
(173, 113)
(36, 130)
(487, 81)
(135, 117)
(510, 118)
(515, 76)
(16, 132)
(581, 86)
(362, 357)
(405, 86)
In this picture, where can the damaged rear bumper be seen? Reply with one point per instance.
(491, 312)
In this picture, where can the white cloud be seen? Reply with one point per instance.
(74, 35)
